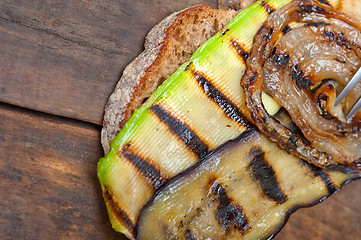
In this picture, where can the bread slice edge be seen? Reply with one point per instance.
(167, 46)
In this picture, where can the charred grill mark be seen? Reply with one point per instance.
(263, 173)
(240, 50)
(222, 101)
(348, 47)
(327, 180)
(322, 100)
(253, 78)
(182, 131)
(317, 24)
(324, 2)
(260, 30)
(343, 39)
(274, 50)
(292, 141)
(329, 35)
(313, 9)
(268, 35)
(188, 66)
(269, 9)
(317, 171)
(224, 32)
(340, 40)
(229, 214)
(345, 167)
(286, 29)
(323, 83)
(339, 60)
(281, 59)
(150, 172)
(301, 82)
(189, 235)
(120, 214)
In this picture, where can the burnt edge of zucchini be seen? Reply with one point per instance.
(241, 138)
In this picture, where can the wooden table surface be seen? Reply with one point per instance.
(59, 62)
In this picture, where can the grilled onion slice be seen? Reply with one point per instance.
(302, 56)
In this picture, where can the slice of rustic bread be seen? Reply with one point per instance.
(167, 46)
(235, 4)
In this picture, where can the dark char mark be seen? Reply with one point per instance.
(324, 82)
(119, 213)
(188, 66)
(312, 9)
(281, 60)
(269, 9)
(317, 171)
(227, 106)
(340, 40)
(189, 235)
(228, 214)
(301, 82)
(324, 2)
(321, 99)
(317, 24)
(150, 172)
(253, 78)
(339, 60)
(182, 131)
(263, 173)
(268, 35)
(224, 32)
(286, 29)
(240, 50)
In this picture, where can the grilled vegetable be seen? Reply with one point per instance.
(200, 107)
(306, 66)
(245, 189)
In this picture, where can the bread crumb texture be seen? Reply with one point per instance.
(168, 45)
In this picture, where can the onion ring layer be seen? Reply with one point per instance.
(302, 56)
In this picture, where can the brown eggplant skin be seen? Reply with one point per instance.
(223, 198)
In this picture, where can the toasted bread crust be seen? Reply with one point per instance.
(168, 45)
(235, 4)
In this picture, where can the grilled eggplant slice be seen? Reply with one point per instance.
(198, 108)
(243, 190)
(302, 71)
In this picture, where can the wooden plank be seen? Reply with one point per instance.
(65, 57)
(338, 217)
(50, 190)
(46, 73)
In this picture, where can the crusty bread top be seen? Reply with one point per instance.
(167, 46)
(235, 4)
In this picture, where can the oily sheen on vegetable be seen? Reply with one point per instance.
(243, 190)
(303, 69)
(200, 107)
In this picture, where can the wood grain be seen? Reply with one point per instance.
(338, 217)
(65, 57)
(49, 188)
